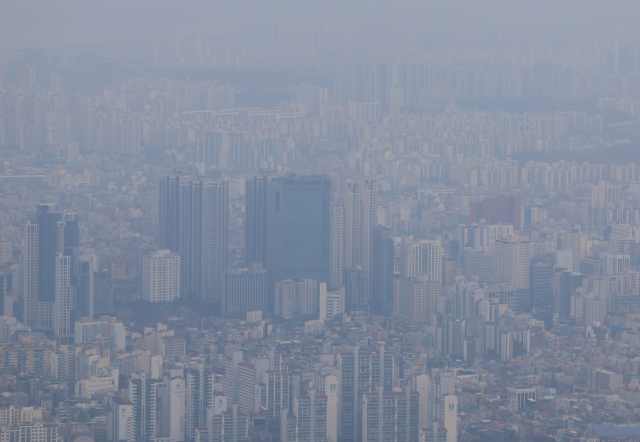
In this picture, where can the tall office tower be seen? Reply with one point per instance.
(41, 247)
(49, 290)
(245, 290)
(296, 298)
(161, 276)
(169, 215)
(512, 262)
(360, 373)
(336, 249)
(351, 232)
(199, 396)
(272, 392)
(103, 296)
(451, 338)
(256, 220)
(194, 222)
(421, 257)
(356, 285)
(120, 421)
(564, 285)
(172, 404)
(382, 270)
(82, 280)
(228, 426)
(390, 416)
(594, 310)
(503, 209)
(540, 276)
(297, 229)
(143, 398)
(441, 384)
(308, 423)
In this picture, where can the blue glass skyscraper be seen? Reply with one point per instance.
(298, 228)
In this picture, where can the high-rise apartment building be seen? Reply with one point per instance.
(228, 426)
(450, 416)
(6, 252)
(245, 290)
(173, 418)
(273, 392)
(512, 262)
(249, 373)
(62, 326)
(351, 232)
(143, 397)
(199, 396)
(416, 299)
(451, 338)
(336, 248)
(332, 304)
(296, 298)
(442, 383)
(161, 276)
(194, 222)
(360, 373)
(421, 257)
(308, 421)
(578, 243)
(230, 380)
(390, 416)
(120, 421)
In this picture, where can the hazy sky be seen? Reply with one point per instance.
(50, 22)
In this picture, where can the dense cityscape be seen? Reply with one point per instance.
(322, 234)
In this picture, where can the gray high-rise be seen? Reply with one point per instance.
(297, 243)
(52, 283)
(256, 220)
(382, 270)
(194, 219)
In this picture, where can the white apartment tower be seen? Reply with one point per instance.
(62, 305)
(450, 417)
(352, 224)
(173, 420)
(512, 262)
(161, 276)
(421, 257)
(296, 297)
